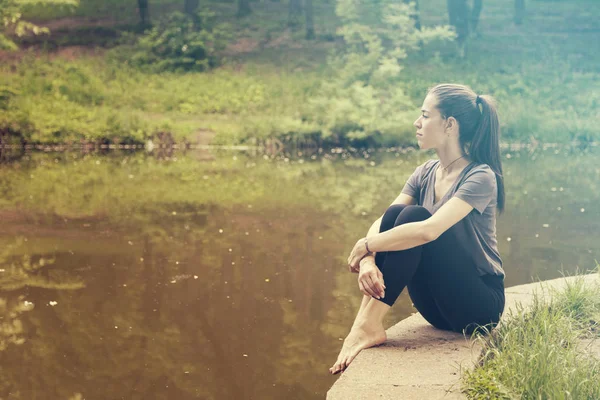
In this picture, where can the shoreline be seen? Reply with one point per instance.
(421, 362)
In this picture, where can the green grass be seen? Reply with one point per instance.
(94, 98)
(543, 73)
(534, 353)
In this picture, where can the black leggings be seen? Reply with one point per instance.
(442, 279)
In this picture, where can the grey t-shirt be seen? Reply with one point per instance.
(476, 185)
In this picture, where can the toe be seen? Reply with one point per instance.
(334, 368)
(349, 359)
(339, 363)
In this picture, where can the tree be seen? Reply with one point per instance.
(310, 26)
(464, 19)
(363, 101)
(10, 18)
(191, 6)
(294, 13)
(144, 12)
(243, 8)
(458, 13)
(519, 11)
(475, 13)
(417, 15)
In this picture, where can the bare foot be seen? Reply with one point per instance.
(360, 337)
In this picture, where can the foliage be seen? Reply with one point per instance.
(10, 17)
(93, 99)
(279, 85)
(364, 99)
(181, 42)
(65, 102)
(534, 354)
(582, 304)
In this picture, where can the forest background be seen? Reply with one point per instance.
(303, 72)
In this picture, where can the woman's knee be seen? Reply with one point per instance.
(394, 210)
(412, 214)
(390, 215)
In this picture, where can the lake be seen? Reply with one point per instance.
(221, 275)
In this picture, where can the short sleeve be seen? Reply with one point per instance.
(479, 188)
(412, 187)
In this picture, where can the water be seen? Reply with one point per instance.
(222, 276)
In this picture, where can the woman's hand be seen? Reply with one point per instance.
(370, 279)
(358, 253)
(368, 258)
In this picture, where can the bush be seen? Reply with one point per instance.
(362, 103)
(180, 43)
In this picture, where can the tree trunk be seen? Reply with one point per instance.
(244, 8)
(310, 24)
(519, 11)
(475, 13)
(191, 6)
(417, 16)
(144, 12)
(294, 13)
(458, 12)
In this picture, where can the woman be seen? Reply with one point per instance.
(438, 238)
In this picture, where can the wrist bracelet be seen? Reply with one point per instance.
(367, 245)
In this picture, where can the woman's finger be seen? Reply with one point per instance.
(368, 285)
(351, 256)
(362, 288)
(376, 285)
(380, 276)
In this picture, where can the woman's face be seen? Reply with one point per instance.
(430, 125)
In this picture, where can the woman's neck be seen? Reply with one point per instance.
(451, 160)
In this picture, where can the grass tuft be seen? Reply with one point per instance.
(534, 352)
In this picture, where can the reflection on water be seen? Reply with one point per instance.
(223, 277)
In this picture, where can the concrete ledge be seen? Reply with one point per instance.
(421, 362)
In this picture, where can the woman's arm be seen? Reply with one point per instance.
(407, 236)
(376, 226)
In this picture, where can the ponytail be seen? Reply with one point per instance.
(479, 128)
(485, 146)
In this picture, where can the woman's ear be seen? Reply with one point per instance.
(451, 125)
